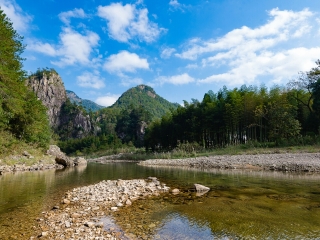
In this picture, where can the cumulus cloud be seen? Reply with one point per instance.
(282, 26)
(91, 80)
(176, 80)
(73, 48)
(167, 52)
(13, 11)
(279, 66)
(107, 100)
(125, 61)
(76, 13)
(272, 50)
(126, 22)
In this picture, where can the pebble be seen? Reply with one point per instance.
(86, 206)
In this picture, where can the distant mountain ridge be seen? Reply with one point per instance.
(146, 97)
(86, 104)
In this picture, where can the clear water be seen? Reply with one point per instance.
(240, 205)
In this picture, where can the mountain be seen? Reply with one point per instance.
(146, 97)
(86, 104)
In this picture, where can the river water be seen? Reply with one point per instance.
(240, 204)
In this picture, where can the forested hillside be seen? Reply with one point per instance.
(22, 117)
(86, 104)
(281, 115)
(147, 98)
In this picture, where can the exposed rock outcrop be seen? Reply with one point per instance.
(67, 120)
(49, 88)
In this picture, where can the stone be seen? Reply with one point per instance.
(128, 202)
(152, 225)
(175, 191)
(80, 161)
(66, 201)
(44, 234)
(75, 215)
(200, 188)
(67, 224)
(114, 208)
(89, 224)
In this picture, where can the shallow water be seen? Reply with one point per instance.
(240, 205)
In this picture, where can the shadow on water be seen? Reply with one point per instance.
(241, 204)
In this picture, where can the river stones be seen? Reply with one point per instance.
(83, 208)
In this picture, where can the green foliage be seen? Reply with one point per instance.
(86, 104)
(230, 117)
(22, 116)
(43, 71)
(91, 144)
(131, 123)
(145, 97)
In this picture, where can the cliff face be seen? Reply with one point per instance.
(67, 120)
(50, 90)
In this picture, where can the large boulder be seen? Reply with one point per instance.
(60, 157)
(80, 161)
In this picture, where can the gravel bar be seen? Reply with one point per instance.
(82, 210)
(288, 162)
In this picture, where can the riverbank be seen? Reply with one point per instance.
(34, 167)
(288, 162)
(84, 210)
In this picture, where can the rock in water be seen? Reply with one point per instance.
(201, 188)
(79, 161)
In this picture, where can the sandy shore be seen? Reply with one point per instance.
(289, 162)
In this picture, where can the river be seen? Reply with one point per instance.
(240, 204)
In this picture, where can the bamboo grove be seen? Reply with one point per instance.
(242, 115)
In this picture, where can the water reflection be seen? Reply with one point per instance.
(240, 204)
(179, 227)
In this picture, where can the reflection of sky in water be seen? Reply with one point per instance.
(177, 227)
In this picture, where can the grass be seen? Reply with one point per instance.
(11, 152)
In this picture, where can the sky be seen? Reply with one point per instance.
(181, 48)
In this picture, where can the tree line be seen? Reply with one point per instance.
(240, 115)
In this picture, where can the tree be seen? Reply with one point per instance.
(21, 114)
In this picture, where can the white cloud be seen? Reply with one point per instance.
(271, 51)
(13, 11)
(167, 52)
(74, 47)
(91, 80)
(107, 100)
(76, 13)
(176, 80)
(125, 61)
(282, 26)
(126, 22)
(280, 66)
(175, 5)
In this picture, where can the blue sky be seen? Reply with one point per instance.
(181, 48)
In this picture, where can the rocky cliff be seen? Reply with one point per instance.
(66, 119)
(49, 88)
